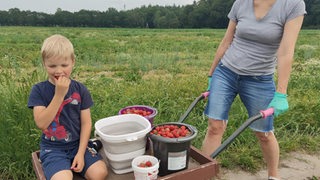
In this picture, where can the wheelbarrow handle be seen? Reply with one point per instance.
(192, 105)
(205, 94)
(227, 142)
(267, 112)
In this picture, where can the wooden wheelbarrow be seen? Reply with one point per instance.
(200, 167)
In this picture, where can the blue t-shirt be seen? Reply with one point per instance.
(64, 130)
(256, 41)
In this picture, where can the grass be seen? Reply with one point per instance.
(165, 69)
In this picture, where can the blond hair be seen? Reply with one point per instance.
(57, 46)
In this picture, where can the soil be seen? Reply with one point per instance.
(295, 166)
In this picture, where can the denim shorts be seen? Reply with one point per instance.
(54, 161)
(255, 92)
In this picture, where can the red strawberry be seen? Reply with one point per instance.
(148, 163)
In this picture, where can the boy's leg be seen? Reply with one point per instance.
(64, 174)
(56, 164)
(95, 167)
(98, 170)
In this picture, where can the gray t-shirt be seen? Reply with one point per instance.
(255, 43)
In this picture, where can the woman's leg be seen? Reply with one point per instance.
(256, 93)
(213, 136)
(270, 150)
(223, 90)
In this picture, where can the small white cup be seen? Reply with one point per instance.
(145, 173)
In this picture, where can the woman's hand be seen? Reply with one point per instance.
(209, 82)
(279, 103)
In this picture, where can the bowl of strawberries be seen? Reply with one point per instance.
(143, 110)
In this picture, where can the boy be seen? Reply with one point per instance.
(61, 109)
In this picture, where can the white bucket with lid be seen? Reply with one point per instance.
(145, 173)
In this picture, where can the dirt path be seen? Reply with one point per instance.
(296, 166)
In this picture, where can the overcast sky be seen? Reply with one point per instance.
(50, 6)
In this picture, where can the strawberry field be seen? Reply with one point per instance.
(162, 68)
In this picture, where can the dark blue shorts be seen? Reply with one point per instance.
(54, 161)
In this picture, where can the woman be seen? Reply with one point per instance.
(261, 35)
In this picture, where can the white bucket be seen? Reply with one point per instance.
(145, 173)
(122, 161)
(123, 133)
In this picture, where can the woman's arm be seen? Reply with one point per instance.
(224, 45)
(286, 52)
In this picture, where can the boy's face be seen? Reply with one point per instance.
(58, 67)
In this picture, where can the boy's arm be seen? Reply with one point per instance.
(43, 116)
(86, 125)
(85, 132)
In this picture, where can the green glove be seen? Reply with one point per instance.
(279, 103)
(209, 82)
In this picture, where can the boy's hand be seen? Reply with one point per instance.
(78, 163)
(279, 103)
(62, 86)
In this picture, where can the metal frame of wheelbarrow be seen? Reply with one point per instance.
(227, 142)
(224, 145)
(192, 105)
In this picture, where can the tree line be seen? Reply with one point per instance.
(200, 14)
